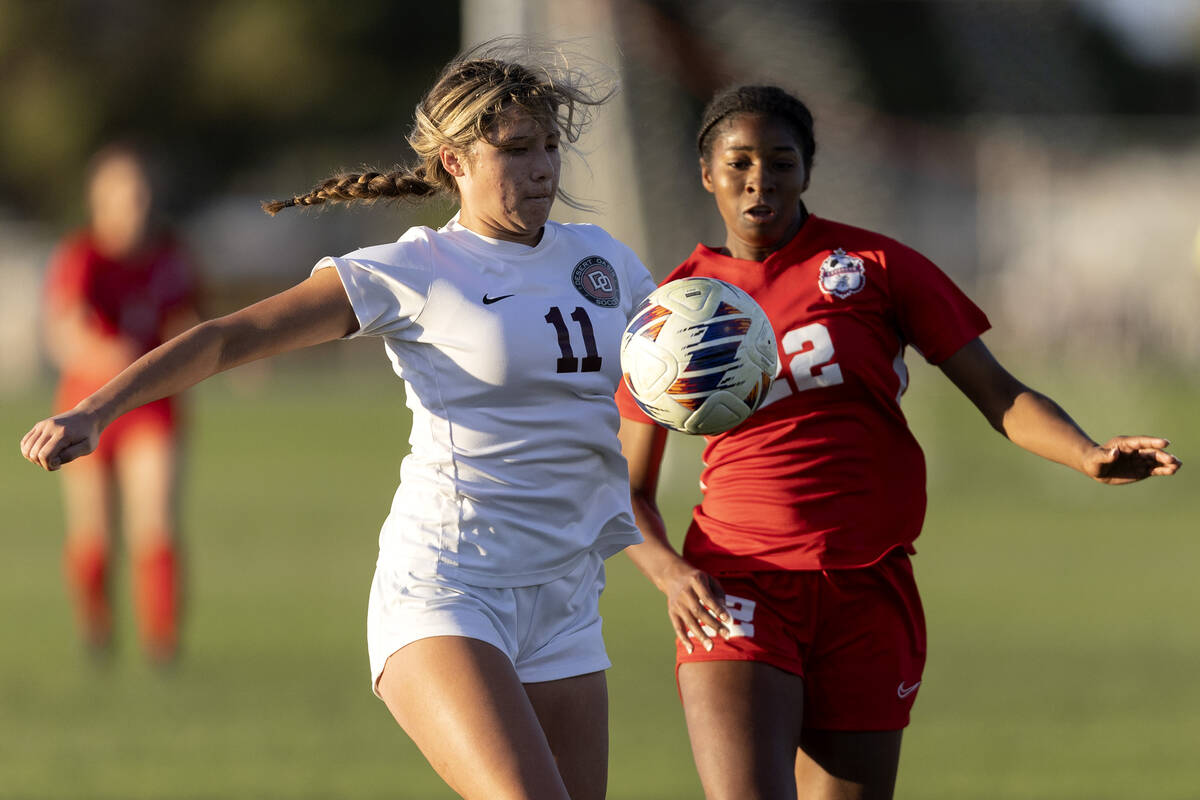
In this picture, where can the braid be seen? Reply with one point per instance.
(769, 100)
(463, 107)
(365, 187)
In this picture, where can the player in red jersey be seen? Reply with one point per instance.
(801, 638)
(115, 291)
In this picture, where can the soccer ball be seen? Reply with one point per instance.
(699, 355)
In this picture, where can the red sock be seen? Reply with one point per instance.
(157, 596)
(85, 562)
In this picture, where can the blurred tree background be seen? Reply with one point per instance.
(222, 88)
(910, 48)
(231, 87)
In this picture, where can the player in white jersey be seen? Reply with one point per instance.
(483, 623)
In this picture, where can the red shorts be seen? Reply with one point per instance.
(856, 637)
(158, 416)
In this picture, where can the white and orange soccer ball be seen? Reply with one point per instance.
(699, 355)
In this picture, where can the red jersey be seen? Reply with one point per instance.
(132, 298)
(826, 474)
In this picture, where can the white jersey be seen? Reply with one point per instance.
(510, 355)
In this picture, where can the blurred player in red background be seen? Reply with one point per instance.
(116, 290)
(801, 638)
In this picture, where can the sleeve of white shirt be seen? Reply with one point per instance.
(638, 278)
(388, 285)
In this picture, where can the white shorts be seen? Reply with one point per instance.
(549, 631)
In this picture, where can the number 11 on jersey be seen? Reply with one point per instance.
(567, 362)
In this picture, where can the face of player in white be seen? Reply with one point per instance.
(756, 174)
(508, 185)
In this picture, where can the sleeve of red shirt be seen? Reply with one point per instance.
(628, 406)
(67, 274)
(934, 315)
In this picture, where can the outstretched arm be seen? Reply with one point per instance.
(314, 311)
(1036, 423)
(694, 598)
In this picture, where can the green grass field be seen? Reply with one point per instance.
(1062, 614)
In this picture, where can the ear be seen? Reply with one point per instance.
(452, 162)
(706, 176)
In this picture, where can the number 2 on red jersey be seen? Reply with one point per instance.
(811, 361)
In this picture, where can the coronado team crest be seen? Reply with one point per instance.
(842, 275)
(596, 280)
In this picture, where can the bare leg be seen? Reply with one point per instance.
(573, 712)
(848, 765)
(744, 720)
(146, 471)
(87, 503)
(462, 704)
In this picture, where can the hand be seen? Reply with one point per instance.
(1125, 459)
(61, 439)
(695, 601)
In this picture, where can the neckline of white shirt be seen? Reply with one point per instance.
(502, 247)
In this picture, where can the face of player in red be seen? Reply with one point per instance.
(756, 174)
(119, 199)
(507, 185)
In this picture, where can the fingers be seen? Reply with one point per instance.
(68, 454)
(49, 445)
(1126, 459)
(712, 598)
(694, 626)
(698, 612)
(1167, 464)
(33, 444)
(691, 630)
(27, 442)
(1132, 444)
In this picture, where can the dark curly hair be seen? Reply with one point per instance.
(769, 100)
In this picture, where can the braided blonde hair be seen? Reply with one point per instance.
(462, 108)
